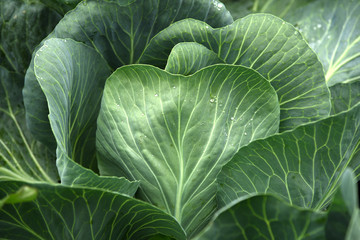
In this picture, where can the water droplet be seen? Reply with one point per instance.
(220, 5)
(328, 37)
(212, 100)
(245, 134)
(314, 28)
(64, 40)
(232, 118)
(156, 95)
(296, 33)
(319, 25)
(174, 87)
(283, 23)
(207, 27)
(37, 54)
(251, 119)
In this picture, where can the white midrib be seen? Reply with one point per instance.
(181, 167)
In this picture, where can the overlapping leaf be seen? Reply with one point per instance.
(21, 158)
(264, 217)
(72, 76)
(119, 33)
(61, 212)
(332, 31)
(188, 58)
(264, 43)
(173, 133)
(302, 166)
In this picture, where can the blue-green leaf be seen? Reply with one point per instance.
(264, 217)
(266, 44)
(303, 166)
(62, 212)
(187, 58)
(119, 33)
(173, 133)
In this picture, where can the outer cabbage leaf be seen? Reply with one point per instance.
(72, 76)
(332, 30)
(264, 217)
(173, 133)
(21, 157)
(266, 44)
(303, 166)
(62, 212)
(23, 24)
(280, 8)
(119, 33)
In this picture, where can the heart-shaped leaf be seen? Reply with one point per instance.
(173, 133)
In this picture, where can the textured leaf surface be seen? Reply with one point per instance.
(20, 156)
(302, 166)
(280, 8)
(173, 133)
(332, 30)
(344, 96)
(120, 34)
(264, 217)
(22, 26)
(187, 58)
(264, 43)
(72, 174)
(61, 212)
(72, 76)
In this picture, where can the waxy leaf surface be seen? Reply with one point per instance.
(173, 133)
(264, 217)
(62, 212)
(188, 57)
(119, 33)
(266, 44)
(303, 166)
